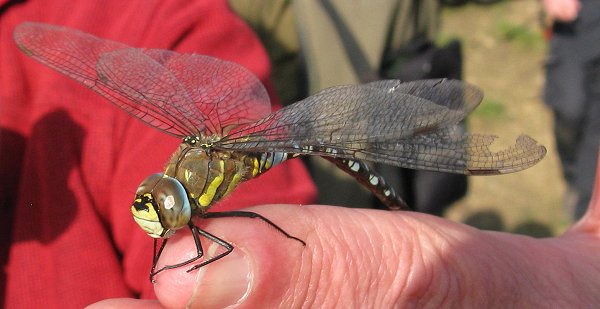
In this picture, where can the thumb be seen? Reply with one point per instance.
(351, 257)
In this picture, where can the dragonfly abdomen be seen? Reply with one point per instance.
(372, 181)
(268, 160)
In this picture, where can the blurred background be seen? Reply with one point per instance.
(504, 52)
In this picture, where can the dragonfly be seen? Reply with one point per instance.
(222, 114)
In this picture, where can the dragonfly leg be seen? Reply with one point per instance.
(252, 215)
(156, 257)
(196, 233)
(228, 248)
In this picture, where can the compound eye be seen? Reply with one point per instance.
(148, 184)
(173, 204)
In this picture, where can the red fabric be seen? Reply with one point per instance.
(70, 162)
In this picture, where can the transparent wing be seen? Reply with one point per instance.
(450, 151)
(225, 93)
(453, 94)
(404, 124)
(174, 93)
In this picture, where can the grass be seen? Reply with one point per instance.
(490, 109)
(520, 34)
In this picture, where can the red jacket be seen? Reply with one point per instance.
(70, 161)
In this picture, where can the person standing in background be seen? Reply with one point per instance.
(572, 91)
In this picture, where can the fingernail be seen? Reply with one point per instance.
(224, 282)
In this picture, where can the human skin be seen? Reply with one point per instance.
(562, 10)
(381, 259)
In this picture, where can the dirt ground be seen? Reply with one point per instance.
(504, 55)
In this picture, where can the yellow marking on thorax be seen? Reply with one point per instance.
(255, 170)
(234, 182)
(206, 198)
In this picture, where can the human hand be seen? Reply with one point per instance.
(381, 259)
(562, 10)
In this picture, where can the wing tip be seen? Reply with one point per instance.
(525, 153)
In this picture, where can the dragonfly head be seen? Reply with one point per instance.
(161, 206)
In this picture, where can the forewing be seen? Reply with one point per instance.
(179, 94)
(78, 55)
(225, 93)
(152, 90)
(371, 112)
(404, 124)
(453, 94)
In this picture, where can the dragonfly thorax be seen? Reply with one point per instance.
(209, 174)
(205, 142)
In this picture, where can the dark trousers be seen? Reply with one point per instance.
(572, 90)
